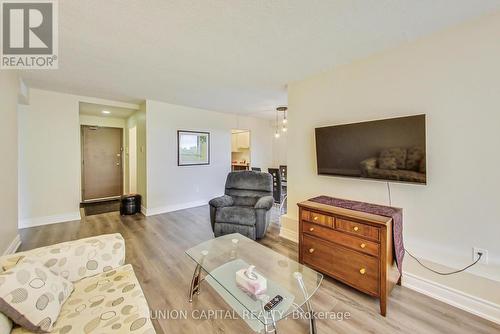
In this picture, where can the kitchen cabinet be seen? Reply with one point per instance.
(240, 141)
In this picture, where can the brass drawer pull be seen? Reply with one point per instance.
(355, 228)
(311, 229)
(362, 245)
(315, 218)
(362, 271)
(311, 250)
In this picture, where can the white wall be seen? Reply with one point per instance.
(454, 78)
(138, 120)
(111, 122)
(49, 156)
(280, 149)
(171, 187)
(9, 85)
(49, 159)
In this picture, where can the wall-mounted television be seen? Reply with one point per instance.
(391, 149)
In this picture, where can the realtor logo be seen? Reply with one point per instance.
(29, 34)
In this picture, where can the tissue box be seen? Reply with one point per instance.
(253, 287)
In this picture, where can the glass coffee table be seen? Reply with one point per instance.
(217, 262)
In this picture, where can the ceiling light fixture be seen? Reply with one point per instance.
(107, 112)
(285, 120)
(277, 132)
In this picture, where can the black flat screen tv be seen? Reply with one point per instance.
(390, 149)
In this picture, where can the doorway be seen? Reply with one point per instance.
(240, 150)
(102, 163)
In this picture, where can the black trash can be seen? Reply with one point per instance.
(130, 204)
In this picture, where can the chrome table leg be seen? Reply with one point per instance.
(312, 320)
(195, 283)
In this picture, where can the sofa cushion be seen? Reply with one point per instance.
(248, 180)
(221, 229)
(388, 174)
(236, 214)
(413, 157)
(31, 295)
(5, 324)
(111, 302)
(387, 163)
(395, 152)
(411, 176)
(77, 259)
(245, 200)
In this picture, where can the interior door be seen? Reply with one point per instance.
(102, 162)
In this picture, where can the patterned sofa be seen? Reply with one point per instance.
(107, 297)
(399, 164)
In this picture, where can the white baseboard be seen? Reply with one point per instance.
(461, 300)
(174, 207)
(14, 245)
(289, 234)
(54, 219)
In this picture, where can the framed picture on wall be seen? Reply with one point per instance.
(193, 148)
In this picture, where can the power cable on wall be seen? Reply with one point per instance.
(480, 255)
(389, 192)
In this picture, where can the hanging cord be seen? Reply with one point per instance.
(423, 265)
(448, 273)
(389, 192)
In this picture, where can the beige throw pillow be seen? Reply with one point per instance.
(31, 295)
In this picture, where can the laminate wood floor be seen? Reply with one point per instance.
(155, 247)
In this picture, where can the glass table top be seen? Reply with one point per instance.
(222, 257)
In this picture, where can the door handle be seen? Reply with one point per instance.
(118, 164)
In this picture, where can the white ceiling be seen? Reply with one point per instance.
(228, 55)
(92, 109)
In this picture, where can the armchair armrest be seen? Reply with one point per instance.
(77, 259)
(221, 201)
(368, 164)
(265, 202)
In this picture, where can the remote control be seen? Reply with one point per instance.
(273, 302)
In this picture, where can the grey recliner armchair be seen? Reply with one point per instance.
(245, 207)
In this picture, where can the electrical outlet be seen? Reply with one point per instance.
(475, 255)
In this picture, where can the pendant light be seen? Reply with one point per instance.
(277, 133)
(285, 119)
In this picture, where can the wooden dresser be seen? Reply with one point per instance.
(351, 246)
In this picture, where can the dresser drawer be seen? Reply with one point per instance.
(359, 229)
(364, 246)
(359, 270)
(316, 253)
(317, 218)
